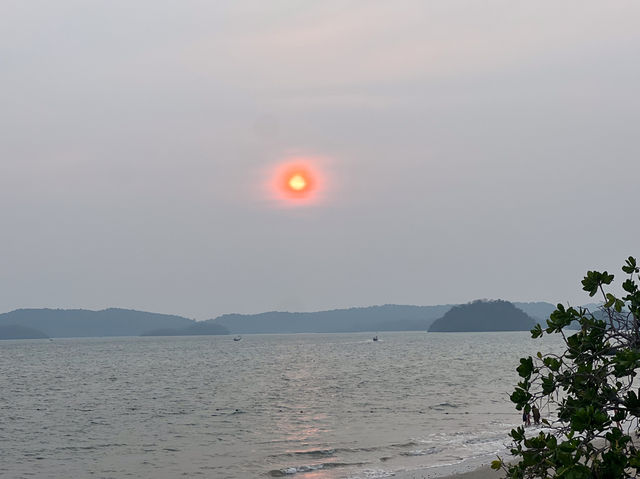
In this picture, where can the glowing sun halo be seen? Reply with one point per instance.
(297, 182)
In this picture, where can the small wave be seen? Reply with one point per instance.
(89, 448)
(329, 452)
(422, 452)
(444, 405)
(78, 448)
(289, 471)
(309, 453)
(316, 453)
(406, 444)
(374, 474)
(484, 439)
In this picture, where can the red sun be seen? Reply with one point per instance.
(297, 182)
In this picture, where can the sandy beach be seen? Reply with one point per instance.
(482, 472)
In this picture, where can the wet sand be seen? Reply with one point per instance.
(482, 472)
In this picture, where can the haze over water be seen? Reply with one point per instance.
(312, 405)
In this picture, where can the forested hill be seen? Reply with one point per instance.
(69, 323)
(13, 331)
(389, 317)
(484, 316)
(57, 323)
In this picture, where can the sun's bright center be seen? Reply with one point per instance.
(297, 182)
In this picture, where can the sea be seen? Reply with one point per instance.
(305, 406)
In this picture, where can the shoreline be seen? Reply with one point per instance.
(478, 467)
(459, 471)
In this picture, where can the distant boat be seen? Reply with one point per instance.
(375, 338)
(237, 338)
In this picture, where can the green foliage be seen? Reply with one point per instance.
(591, 387)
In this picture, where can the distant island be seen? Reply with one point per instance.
(484, 315)
(389, 317)
(72, 323)
(69, 323)
(16, 331)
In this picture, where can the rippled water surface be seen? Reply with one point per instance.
(308, 406)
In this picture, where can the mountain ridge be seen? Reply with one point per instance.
(129, 322)
(387, 317)
(58, 323)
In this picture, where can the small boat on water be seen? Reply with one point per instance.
(375, 338)
(237, 338)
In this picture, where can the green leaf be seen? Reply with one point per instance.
(552, 363)
(619, 305)
(631, 266)
(594, 279)
(536, 332)
(520, 397)
(526, 367)
(561, 318)
(634, 461)
(517, 434)
(548, 385)
(625, 362)
(629, 286)
(497, 464)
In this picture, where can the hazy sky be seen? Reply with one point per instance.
(468, 149)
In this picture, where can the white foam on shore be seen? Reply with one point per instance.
(445, 470)
(436, 471)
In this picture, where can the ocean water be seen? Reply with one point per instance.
(306, 405)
